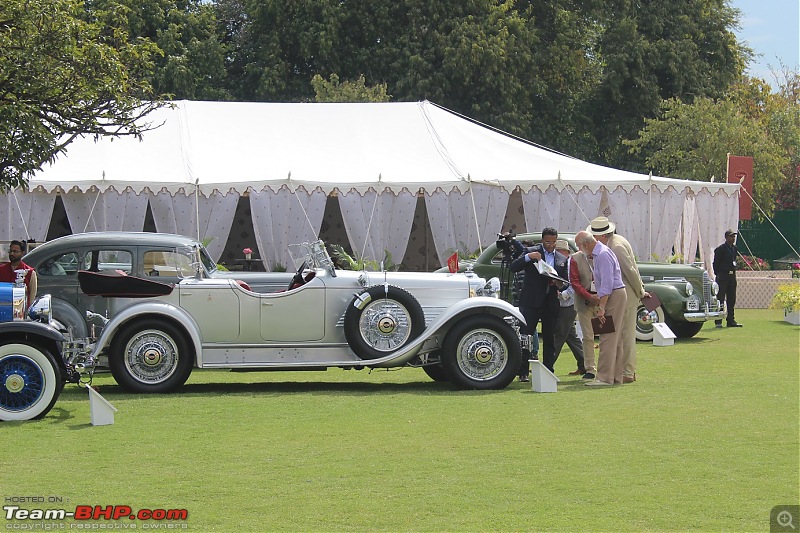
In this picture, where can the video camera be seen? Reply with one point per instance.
(510, 246)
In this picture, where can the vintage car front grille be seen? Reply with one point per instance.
(710, 301)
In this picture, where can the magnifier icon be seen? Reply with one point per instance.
(784, 519)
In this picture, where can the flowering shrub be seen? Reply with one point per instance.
(751, 262)
(796, 270)
(787, 297)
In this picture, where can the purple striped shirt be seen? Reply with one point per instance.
(607, 274)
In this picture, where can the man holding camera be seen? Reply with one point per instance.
(539, 296)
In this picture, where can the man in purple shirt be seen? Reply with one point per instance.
(611, 291)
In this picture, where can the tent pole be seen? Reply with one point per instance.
(21, 216)
(197, 205)
(91, 211)
(474, 214)
(650, 217)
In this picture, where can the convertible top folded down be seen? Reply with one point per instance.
(118, 284)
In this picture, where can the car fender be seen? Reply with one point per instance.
(27, 330)
(466, 307)
(29, 327)
(673, 300)
(62, 309)
(151, 308)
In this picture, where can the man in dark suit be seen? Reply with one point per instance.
(538, 300)
(725, 271)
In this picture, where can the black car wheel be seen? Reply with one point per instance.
(435, 372)
(684, 330)
(644, 322)
(151, 356)
(481, 352)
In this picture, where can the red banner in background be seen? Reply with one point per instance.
(452, 262)
(740, 170)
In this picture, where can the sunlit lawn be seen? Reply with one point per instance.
(706, 440)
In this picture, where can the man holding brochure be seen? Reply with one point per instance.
(538, 300)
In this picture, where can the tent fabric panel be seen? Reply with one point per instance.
(285, 217)
(105, 210)
(378, 223)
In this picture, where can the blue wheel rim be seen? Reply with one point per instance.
(21, 383)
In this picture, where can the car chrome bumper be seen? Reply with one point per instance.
(702, 316)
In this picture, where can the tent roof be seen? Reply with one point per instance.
(334, 146)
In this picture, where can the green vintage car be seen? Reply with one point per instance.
(687, 293)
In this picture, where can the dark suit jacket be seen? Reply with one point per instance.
(535, 287)
(724, 259)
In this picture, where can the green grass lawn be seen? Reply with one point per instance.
(705, 440)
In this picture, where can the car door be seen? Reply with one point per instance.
(214, 307)
(297, 315)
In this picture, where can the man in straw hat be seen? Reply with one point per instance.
(611, 291)
(605, 231)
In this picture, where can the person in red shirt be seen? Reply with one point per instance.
(7, 273)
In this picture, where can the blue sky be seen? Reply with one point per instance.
(772, 29)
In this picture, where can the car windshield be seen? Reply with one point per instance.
(313, 254)
(205, 258)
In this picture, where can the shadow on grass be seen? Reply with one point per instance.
(335, 388)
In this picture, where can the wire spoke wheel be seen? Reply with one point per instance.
(30, 382)
(151, 356)
(481, 352)
(381, 320)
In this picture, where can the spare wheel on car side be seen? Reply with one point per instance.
(381, 320)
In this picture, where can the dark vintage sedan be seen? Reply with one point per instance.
(687, 294)
(147, 255)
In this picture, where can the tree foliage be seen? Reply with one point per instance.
(349, 91)
(191, 59)
(692, 140)
(65, 72)
(656, 50)
(579, 76)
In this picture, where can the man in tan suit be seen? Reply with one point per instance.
(604, 231)
(586, 303)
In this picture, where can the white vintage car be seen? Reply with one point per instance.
(451, 325)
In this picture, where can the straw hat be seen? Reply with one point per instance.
(562, 244)
(601, 226)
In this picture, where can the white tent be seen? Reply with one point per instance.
(376, 157)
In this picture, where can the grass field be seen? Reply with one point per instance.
(705, 440)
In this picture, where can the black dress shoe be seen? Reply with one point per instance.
(524, 379)
(588, 375)
(734, 325)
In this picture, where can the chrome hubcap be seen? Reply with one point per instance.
(15, 383)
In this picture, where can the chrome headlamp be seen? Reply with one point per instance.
(42, 309)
